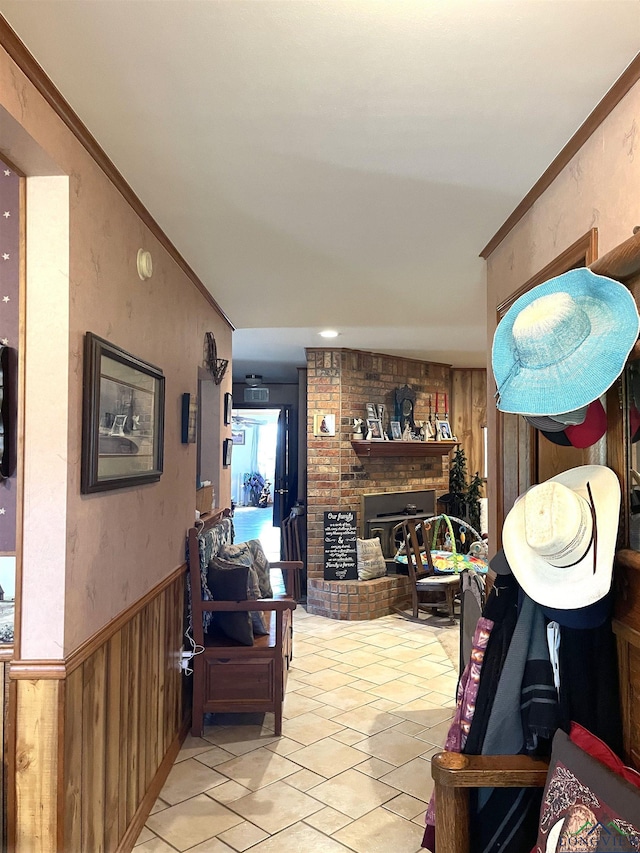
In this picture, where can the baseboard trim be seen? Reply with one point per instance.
(153, 791)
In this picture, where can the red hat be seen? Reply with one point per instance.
(592, 429)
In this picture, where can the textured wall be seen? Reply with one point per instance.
(117, 544)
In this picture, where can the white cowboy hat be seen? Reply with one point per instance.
(560, 536)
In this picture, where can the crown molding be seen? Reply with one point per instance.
(36, 75)
(616, 93)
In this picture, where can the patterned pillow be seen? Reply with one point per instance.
(371, 562)
(586, 807)
(209, 543)
(258, 620)
(229, 583)
(251, 553)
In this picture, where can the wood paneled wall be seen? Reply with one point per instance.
(96, 735)
(469, 414)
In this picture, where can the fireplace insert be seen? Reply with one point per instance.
(380, 513)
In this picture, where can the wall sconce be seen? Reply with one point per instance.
(144, 264)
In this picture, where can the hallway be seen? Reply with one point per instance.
(367, 705)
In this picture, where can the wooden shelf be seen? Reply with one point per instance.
(403, 448)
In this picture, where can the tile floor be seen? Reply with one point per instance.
(367, 705)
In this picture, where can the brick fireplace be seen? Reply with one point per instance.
(342, 382)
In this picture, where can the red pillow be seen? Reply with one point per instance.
(605, 755)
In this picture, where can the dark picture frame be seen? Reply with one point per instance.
(228, 408)
(189, 420)
(227, 448)
(122, 419)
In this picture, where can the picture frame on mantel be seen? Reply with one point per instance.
(444, 431)
(122, 418)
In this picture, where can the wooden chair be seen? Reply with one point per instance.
(292, 550)
(429, 592)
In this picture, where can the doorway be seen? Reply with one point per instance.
(261, 474)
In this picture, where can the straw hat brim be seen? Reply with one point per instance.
(575, 586)
(587, 372)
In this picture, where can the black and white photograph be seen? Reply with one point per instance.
(123, 418)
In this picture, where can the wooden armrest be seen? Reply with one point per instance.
(453, 770)
(286, 565)
(454, 774)
(291, 575)
(260, 604)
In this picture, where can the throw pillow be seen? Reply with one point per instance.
(371, 562)
(258, 620)
(599, 749)
(261, 565)
(230, 584)
(585, 806)
(250, 553)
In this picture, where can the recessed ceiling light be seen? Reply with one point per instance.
(329, 333)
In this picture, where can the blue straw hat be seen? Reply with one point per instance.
(563, 343)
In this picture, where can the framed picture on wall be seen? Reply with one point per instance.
(228, 408)
(123, 418)
(227, 447)
(189, 418)
(237, 436)
(324, 425)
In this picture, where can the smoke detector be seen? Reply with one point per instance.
(253, 379)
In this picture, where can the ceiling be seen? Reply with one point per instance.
(333, 163)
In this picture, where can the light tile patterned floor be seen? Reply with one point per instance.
(368, 704)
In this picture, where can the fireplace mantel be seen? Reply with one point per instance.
(403, 448)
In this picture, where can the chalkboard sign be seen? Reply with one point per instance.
(340, 554)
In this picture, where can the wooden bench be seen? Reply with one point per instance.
(229, 677)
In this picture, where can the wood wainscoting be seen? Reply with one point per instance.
(97, 734)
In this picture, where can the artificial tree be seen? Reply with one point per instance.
(457, 498)
(463, 499)
(474, 493)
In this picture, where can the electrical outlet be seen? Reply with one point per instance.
(184, 662)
